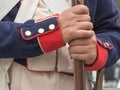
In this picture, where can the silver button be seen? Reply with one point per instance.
(41, 30)
(51, 26)
(106, 44)
(28, 33)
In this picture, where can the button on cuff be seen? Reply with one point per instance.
(105, 44)
(32, 29)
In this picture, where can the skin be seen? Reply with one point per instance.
(77, 30)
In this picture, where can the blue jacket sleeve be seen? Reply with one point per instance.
(107, 30)
(11, 43)
(32, 38)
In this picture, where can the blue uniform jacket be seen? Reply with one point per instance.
(103, 13)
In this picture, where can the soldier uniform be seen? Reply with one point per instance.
(34, 35)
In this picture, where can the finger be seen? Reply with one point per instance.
(83, 17)
(80, 9)
(80, 49)
(86, 25)
(81, 41)
(82, 57)
(82, 34)
(87, 58)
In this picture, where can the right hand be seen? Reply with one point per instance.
(75, 22)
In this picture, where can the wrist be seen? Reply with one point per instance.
(101, 59)
(47, 31)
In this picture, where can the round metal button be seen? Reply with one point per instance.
(51, 26)
(41, 30)
(106, 44)
(28, 33)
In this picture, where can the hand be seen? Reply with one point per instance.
(84, 49)
(73, 20)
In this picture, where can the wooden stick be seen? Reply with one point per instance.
(79, 65)
(79, 75)
(99, 80)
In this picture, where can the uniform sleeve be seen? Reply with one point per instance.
(32, 38)
(108, 34)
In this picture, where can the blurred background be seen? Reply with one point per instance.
(118, 5)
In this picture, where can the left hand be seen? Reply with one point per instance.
(84, 49)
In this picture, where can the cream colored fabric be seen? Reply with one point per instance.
(4, 79)
(6, 6)
(65, 63)
(26, 80)
(57, 5)
(26, 10)
(22, 79)
(41, 11)
(45, 62)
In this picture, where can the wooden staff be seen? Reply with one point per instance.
(79, 75)
(99, 80)
(79, 65)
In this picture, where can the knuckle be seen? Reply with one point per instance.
(66, 14)
(89, 25)
(71, 32)
(92, 57)
(72, 55)
(84, 8)
(87, 17)
(94, 40)
(75, 56)
(88, 57)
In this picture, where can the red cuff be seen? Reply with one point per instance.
(101, 58)
(51, 41)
